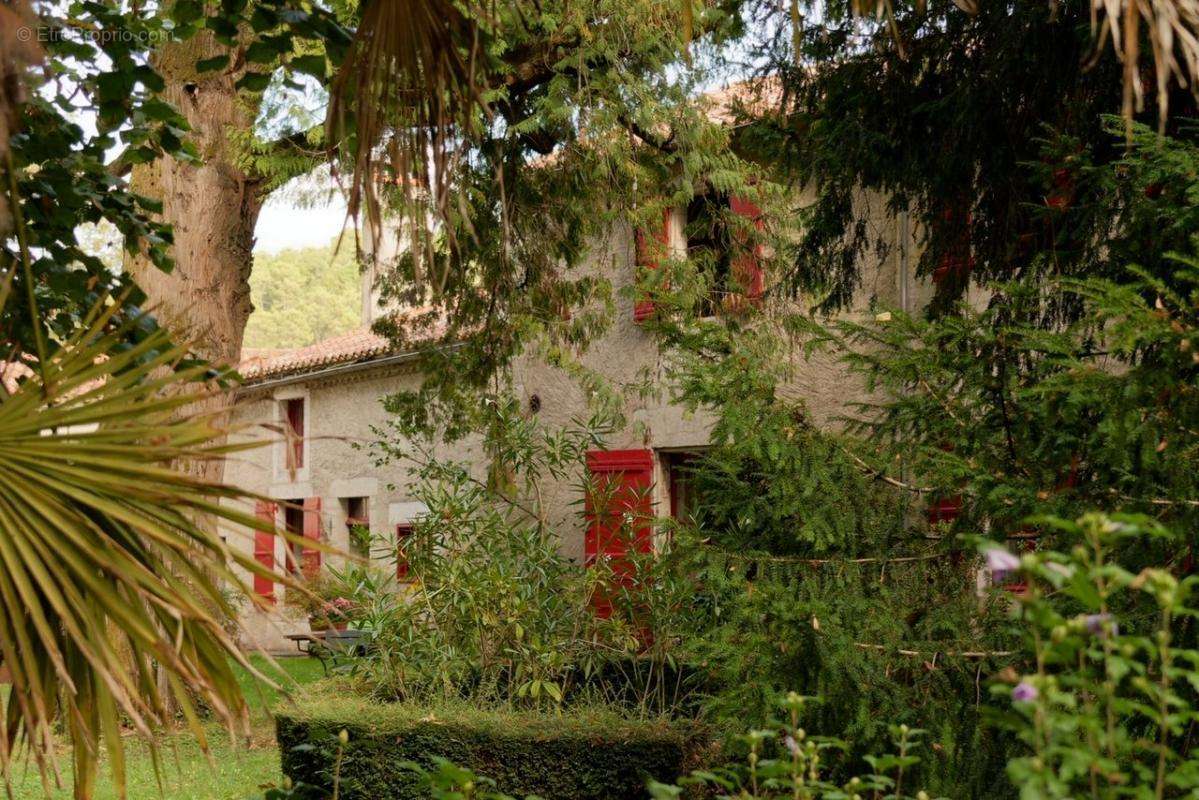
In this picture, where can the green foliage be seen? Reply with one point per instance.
(60, 179)
(447, 780)
(943, 115)
(586, 754)
(1109, 697)
(771, 482)
(1025, 413)
(110, 577)
(303, 296)
(526, 259)
(787, 762)
(494, 611)
(812, 573)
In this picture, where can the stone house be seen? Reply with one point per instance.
(326, 399)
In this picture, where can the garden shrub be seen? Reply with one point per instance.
(583, 754)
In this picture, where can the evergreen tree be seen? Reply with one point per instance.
(303, 296)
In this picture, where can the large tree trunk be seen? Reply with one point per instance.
(213, 208)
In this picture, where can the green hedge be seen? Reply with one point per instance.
(576, 756)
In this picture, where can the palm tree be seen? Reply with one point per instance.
(106, 576)
(112, 570)
(409, 87)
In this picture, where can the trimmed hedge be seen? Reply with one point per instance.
(577, 756)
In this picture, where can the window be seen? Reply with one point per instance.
(721, 247)
(403, 539)
(709, 247)
(302, 519)
(358, 525)
(293, 428)
(677, 469)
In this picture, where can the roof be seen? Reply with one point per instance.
(728, 105)
(361, 345)
(420, 327)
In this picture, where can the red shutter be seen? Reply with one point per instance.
(651, 246)
(264, 550)
(946, 509)
(310, 557)
(747, 266)
(618, 508)
(403, 532)
(957, 260)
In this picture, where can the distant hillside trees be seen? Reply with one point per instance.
(302, 296)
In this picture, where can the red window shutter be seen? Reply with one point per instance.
(957, 260)
(403, 533)
(619, 500)
(310, 557)
(946, 509)
(295, 425)
(747, 267)
(651, 246)
(264, 550)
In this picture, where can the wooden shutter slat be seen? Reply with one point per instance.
(632, 473)
(264, 550)
(747, 266)
(310, 557)
(649, 251)
(403, 532)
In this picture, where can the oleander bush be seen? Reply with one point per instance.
(582, 754)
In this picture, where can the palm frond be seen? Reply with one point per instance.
(408, 88)
(106, 577)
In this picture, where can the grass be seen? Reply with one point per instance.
(236, 772)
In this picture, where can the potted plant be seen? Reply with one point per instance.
(338, 612)
(318, 622)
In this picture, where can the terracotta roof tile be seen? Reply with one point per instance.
(357, 345)
(422, 326)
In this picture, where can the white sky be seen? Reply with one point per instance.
(283, 224)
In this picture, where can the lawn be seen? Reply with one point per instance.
(235, 772)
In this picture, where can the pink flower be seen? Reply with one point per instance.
(1024, 692)
(1000, 563)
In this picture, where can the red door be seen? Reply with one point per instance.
(619, 510)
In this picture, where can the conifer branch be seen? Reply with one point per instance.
(903, 651)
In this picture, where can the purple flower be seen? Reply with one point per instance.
(1000, 563)
(1024, 692)
(1101, 625)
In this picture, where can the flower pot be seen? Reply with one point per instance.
(340, 626)
(318, 624)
